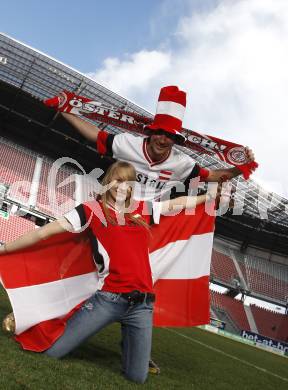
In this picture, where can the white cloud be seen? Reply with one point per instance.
(232, 60)
(134, 74)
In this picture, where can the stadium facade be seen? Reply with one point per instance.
(251, 240)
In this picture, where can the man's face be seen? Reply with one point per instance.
(160, 145)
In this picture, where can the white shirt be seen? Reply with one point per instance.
(153, 179)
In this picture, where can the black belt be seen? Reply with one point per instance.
(136, 296)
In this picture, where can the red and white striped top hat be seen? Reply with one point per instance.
(170, 111)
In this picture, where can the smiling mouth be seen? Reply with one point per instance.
(122, 193)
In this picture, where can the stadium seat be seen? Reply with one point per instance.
(223, 267)
(264, 278)
(64, 195)
(271, 324)
(16, 166)
(233, 307)
(14, 227)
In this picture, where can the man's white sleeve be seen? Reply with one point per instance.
(126, 146)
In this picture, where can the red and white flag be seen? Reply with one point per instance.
(48, 282)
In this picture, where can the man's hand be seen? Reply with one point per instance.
(246, 169)
(250, 154)
(249, 167)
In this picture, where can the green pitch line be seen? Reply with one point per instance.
(227, 354)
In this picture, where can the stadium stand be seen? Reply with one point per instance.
(265, 278)
(62, 200)
(17, 170)
(16, 165)
(271, 324)
(233, 307)
(14, 227)
(239, 257)
(262, 278)
(223, 267)
(224, 316)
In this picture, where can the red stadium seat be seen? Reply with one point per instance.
(271, 324)
(223, 267)
(64, 196)
(264, 278)
(16, 166)
(14, 227)
(234, 308)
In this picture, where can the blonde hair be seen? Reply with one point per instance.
(126, 172)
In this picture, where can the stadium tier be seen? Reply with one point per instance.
(25, 174)
(14, 227)
(16, 166)
(233, 307)
(265, 279)
(258, 276)
(64, 196)
(223, 268)
(264, 322)
(270, 324)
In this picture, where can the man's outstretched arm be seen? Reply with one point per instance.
(88, 130)
(217, 175)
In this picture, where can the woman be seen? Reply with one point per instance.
(119, 233)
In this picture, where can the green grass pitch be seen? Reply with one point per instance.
(189, 358)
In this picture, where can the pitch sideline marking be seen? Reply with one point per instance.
(228, 355)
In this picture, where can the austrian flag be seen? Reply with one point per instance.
(165, 175)
(48, 282)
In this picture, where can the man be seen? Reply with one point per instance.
(159, 166)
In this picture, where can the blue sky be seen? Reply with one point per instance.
(79, 35)
(230, 56)
(84, 34)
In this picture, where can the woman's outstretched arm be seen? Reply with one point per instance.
(189, 202)
(183, 202)
(34, 236)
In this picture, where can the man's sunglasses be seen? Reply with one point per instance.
(177, 139)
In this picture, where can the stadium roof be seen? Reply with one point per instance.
(28, 76)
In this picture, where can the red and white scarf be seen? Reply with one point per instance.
(229, 152)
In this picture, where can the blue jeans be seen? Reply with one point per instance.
(102, 309)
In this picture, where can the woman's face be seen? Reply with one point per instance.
(120, 189)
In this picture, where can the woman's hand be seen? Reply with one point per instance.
(249, 154)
